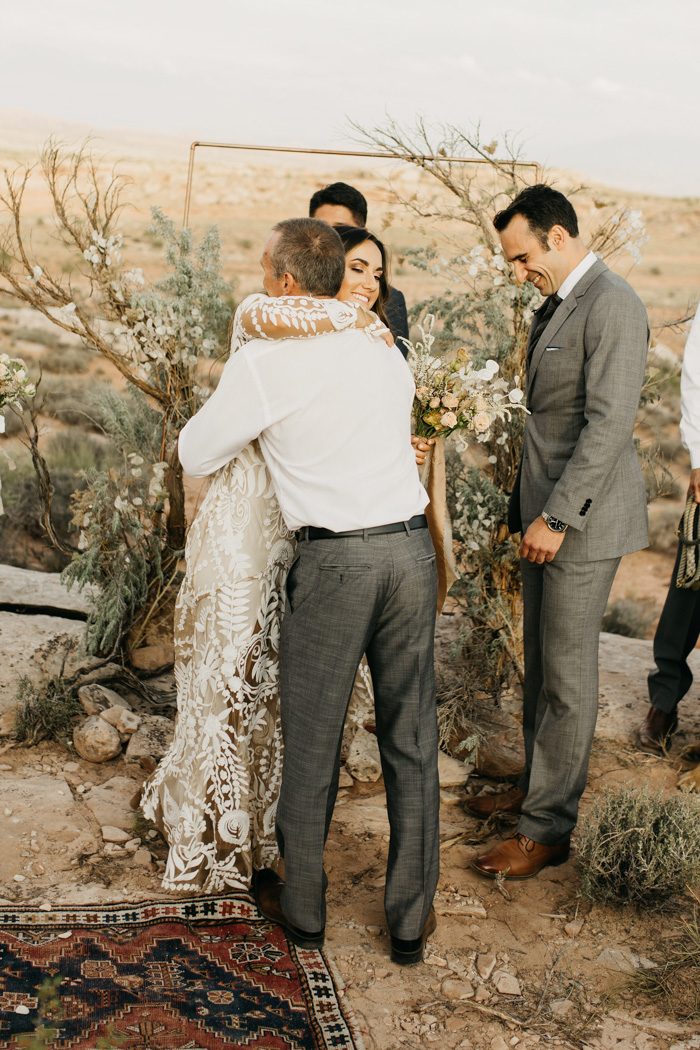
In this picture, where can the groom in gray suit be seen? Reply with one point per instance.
(580, 503)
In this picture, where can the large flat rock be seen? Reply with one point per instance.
(624, 698)
(21, 635)
(40, 590)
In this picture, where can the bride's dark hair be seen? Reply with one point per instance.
(352, 236)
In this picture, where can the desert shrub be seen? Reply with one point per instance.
(69, 455)
(628, 617)
(71, 402)
(639, 848)
(65, 359)
(46, 711)
(663, 528)
(674, 984)
(40, 336)
(120, 515)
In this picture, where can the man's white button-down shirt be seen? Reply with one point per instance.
(690, 393)
(333, 417)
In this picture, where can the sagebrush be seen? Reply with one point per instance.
(639, 848)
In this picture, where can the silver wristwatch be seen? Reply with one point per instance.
(554, 524)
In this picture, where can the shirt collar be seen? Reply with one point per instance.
(576, 274)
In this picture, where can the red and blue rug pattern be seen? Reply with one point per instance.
(207, 973)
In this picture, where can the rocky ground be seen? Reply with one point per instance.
(514, 965)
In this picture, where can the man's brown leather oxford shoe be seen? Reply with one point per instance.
(653, 736)
(520, 858)
(484, 806)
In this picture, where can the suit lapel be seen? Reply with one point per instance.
(555, 322)
(560, 315)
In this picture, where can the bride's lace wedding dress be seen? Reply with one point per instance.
(214, 795)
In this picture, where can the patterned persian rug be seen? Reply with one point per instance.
(207, 973)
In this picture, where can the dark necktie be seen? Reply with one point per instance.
(542, 319)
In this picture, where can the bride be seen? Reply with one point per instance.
(214, 795)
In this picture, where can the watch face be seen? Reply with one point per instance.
(554, 523)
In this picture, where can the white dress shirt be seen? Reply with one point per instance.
(690, 393)
(570, 282)
(333, 418)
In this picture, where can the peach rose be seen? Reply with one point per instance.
(481, 422)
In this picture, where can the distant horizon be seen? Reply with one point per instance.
(46, 126)
(606, 90)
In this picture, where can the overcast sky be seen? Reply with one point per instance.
(603, 86)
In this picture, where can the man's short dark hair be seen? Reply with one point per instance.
(543, 207)
(341, 194)
(312, 252)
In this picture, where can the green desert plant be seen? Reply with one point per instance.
(639, 848)
(46, 711)
(69, 401)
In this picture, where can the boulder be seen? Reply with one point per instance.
(452, 772)
(499, 759)
(152, 658)
(151, 740)
(96, 740)
(95, 698)
(41, 590)
(125, 722)
(363, 762)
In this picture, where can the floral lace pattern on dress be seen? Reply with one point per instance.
(214, 794)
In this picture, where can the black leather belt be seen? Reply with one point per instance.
(311, 532)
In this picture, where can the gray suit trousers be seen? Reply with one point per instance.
(346, 597)
(563, 606)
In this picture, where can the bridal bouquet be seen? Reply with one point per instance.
(453, 395)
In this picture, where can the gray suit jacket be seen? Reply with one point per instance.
(579, 460)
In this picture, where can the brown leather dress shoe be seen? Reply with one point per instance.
(267, 888)
(653, 736)
(520, 858)
(484, 806)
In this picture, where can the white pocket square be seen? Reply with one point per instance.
(548, 349)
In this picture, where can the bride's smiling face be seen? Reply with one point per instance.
(363, 270)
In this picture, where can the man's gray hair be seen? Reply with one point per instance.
(312, 252)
